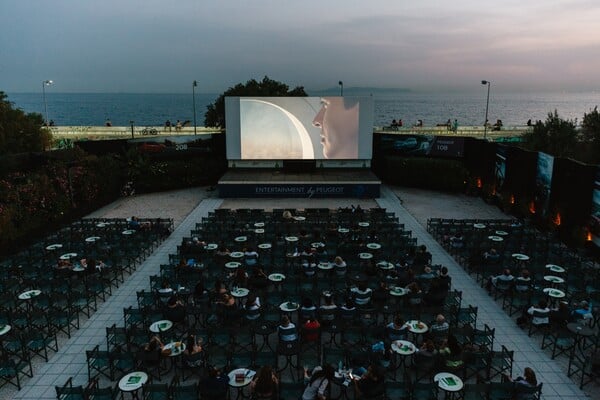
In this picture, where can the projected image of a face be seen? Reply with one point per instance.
(273, 128)
(338, 121)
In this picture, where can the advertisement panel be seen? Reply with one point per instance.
(543, 183)
(595, 217)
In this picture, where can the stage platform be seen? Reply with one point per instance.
(325, 182)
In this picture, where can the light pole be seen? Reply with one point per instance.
(341, 88)
(194, 102)
(44, 84)
(131, 123)
(487, 105)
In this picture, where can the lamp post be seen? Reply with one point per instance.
(487, 105)
(341, 88)
(131, 123)
(194, 102)
(44, 84)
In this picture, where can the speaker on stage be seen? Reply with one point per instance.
(299, 166)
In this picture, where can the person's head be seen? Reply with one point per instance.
(338, 120)
(542, 304)
(264, 379)
(250, 300)
(172, 302)
(213, 372)
(362, 286)
(191, 342)
(285, 320)
(338, 260)
(429, 345)
(529, 376)
(398, 320)
(506, 272)
(307, 303)
(329, 299)
(440, 319)
(525, 274)
(444, 271)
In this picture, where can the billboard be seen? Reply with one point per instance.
(543, 183)
(595, 217)
(299, 128)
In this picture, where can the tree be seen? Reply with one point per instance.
(590, 129)
(215, 114)
(555, 136)
(20, 132)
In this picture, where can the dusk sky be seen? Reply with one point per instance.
(161, 47)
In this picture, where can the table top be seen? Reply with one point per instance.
(289, 306)
(78, 268)
(161, 326)
(128, 232)
(133, 381)
(316, 245)
(92, 239)
(102, 224)
(448, 382)
(385, 265)
(29, 294)
(343, 230)
(365, 256)
(403, 347)
(479, 226)
(276, 277)
(299, 218)
(241, 239)
(373, 246)
(501, 233)
(291, 238)
(259, 224)
(68, 256)
(232, 264)
(555, 268)
(325, 266)
(177, 348)
(211, 246)
(494, 238)
(248, 375)
(416, 326)
(4, 329)
(398, 291)
(240, 292)
(554, 279)
(236, 254)
(557, 294)
(259, 230)
(54, 246)
(264, 246)
(521, 257)
(363, 224)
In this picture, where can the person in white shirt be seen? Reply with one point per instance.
(317, 382)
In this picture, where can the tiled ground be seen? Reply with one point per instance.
(415, 208)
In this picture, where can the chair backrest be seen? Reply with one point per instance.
(526, 392)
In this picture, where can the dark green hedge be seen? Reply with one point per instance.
(429, 173)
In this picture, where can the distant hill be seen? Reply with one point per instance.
(356, 91)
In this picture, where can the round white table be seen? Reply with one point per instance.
(177, 348)
(363, 224)
(555, 293)
(68, 256)
(161, 326)
(54, 246)
(495, 238)
(403, 347)
(399, 291)
(211, 246)
(232, 264)
(264, 246)
(240, 292)
(385, 265)
(317, 245)
(291, 239)
(288, 306)
(373, 246)
(520, 257)
(259, 231)
(554, 279)
(365, 256)
(128, 232)
(448, 382)
(343, 230)
(4, 329)
(555, 268)
(276, 277)
(479, 226)
(29, 294)
(132, 382)
(325, 266)
(501, 233)
(416, 326)
(241, 239)
(236, 254)
(259, 224)
(92, 239)
(299, 218)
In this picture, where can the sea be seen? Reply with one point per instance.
(513, 109)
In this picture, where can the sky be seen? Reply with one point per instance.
(155, 46)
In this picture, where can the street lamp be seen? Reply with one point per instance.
(44, 84)
(487, 105)
(194, 102)
(131, 123)
(341, 88)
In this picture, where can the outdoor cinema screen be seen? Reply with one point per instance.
(295, 128)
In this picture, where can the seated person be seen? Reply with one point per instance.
(583, 310)
(371, 384)
(437, 293)
(339, 266)
(250, 257)
(317, 382)
(445, 279)
(543, 317)
(252, 307)
(457, 241)
(312, 325)
(175, 310)
(200, 294)
(451, 350)
(287, 330)
(527, 381)
(133, 223)
(422, 257)
(348, 309)
(309, 266)
(307, 309)
(214, 386)
(240, 278)
(415, 295)
(523, 281)
(397, 329)
(505, 279)
(259, 279)
(491, 256)
(440, 325)
(327, 310)
(561, 316)
(264, 385)
(362, 294)
(193, 353)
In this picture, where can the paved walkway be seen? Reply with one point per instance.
(71, 361)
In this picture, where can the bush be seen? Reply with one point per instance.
(429, 173)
